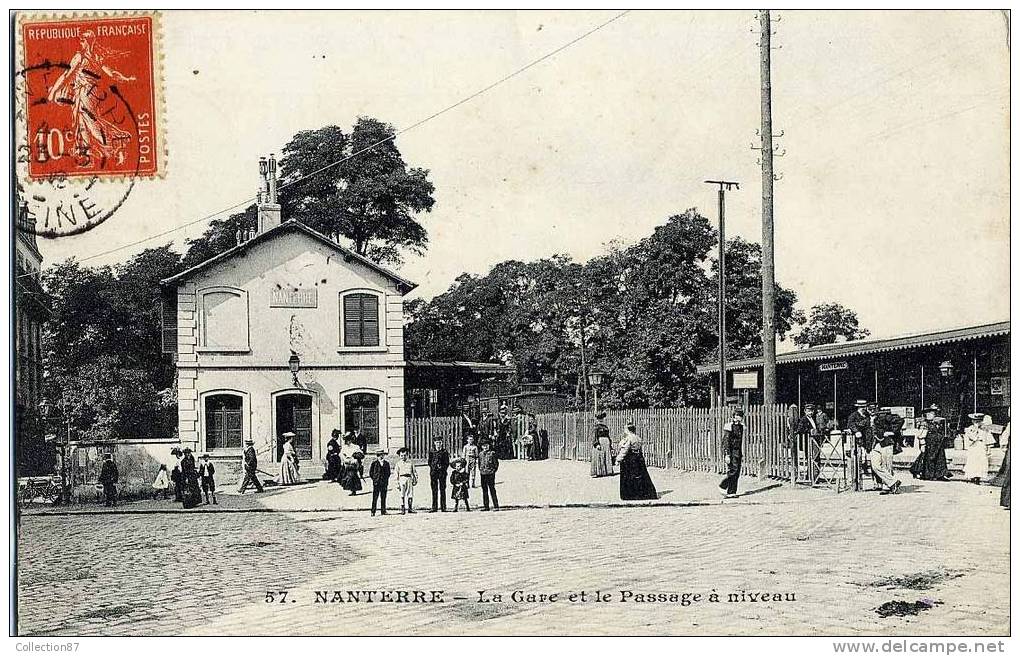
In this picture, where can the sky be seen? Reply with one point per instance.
(894, 189)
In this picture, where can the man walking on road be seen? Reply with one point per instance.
(733, 445)
(439, 462)
(488, 463)
(887, 427)
(251, 467)
(108, 478)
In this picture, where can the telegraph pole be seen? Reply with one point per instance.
(724, 186)
(768, 272)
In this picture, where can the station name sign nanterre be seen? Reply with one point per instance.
(834, 366)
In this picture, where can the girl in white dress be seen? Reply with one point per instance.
(977, 441)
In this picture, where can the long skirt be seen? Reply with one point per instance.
(931, 463)
(334, 466)
(191, 494)
(602, 459)
(350, 479)
(288, 472)
(635, 483)
(977, 462)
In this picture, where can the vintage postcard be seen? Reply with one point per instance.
(512, 323)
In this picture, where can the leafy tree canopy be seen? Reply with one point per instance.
(829, 323)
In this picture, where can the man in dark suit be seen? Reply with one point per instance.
(859, 425)
(251, 467)
(488, 463)
(108, 478)
(379, 472)
(439, 462)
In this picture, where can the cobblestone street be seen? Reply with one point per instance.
(157, 570)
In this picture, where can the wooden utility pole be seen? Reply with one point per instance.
(724, 186)
(768, 271)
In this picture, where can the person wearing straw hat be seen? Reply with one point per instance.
(601, 448)
(977, 441)
(931, 437)
(407, 478)
(635, 483)
(288, 461)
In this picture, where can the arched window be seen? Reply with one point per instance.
(223, 319)
(224, 425)
(360, 319)
(361, 412)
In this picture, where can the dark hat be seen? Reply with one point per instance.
(809, 406)
(205, 456)
(187, 449)
(738, 413)
(403, 449)
(601, 415)
(458, 461)
(175, 451)
(249, 441)
(485, 443)
(630, 423)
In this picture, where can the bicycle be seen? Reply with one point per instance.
(38, 490)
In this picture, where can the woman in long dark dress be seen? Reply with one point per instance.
(1002, 477)
(192, 493)
(635, 483)
(930, 464)
(350, 456)
(334, 466)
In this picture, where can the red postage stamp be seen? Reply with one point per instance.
(91, 106)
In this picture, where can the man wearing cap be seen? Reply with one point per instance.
(488, 464)
(379, 472)
(251, 467)
(733, 448)
(858, 424)
(439, 462)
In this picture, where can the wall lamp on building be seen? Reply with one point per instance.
(294, 363)
(946, 369)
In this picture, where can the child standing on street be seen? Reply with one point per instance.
(407, 478)
(206, 472)
(162, 483)
(459, 484)
(471, 457)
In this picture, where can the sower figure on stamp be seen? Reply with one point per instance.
(379, 472)
(439, 462)
(251, 468)
(733, 448)
(407, 478)
(488, 463)
(108, 478)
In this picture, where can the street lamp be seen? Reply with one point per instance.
(946, 369)
(295, 366)
(595, 379)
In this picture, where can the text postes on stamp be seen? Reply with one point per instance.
(90, 97)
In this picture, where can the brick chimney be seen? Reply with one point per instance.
(268, 206)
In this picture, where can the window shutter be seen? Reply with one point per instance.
(370, 320)
(168, 319)
(232, 428)
(352, 320)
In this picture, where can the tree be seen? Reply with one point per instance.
(372, 199)
(829, 323)
(645, 314)
(103, 357)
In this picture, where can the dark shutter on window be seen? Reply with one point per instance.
(361, 320)
(370, 320)
(352, 320)
(168, 320)
(223, 422)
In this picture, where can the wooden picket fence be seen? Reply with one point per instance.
(419, 434)
(689, 439)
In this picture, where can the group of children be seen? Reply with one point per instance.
(179, 477)
(461, 478)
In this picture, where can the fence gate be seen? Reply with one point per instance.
(827, 462)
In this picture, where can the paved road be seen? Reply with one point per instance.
(208, 573)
